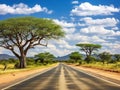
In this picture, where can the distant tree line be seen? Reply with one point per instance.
(90, 56)
(39, 59)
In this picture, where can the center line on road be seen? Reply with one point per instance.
(62, 82)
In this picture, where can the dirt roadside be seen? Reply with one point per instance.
(111, 76)
(11, 78)
(8, 79)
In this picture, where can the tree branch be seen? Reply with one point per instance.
(17, 55)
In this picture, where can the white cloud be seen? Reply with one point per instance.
(69, 30)
(56, 47)
(111, 47)
(1, 50)
(78, 37)
(22, 9)
(63, 48)
(75, 2)
(65, 45)
(68, 27)
(99, 30)
(115, 28)
(105, 22)
(64, 23)
(87, 9)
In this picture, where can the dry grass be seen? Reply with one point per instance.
(10, 68)
(107, 67)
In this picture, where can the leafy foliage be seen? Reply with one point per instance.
(117, 57)
(21, 34)
(105, 57)
(76, 56)
(45, 57)
(89, 48)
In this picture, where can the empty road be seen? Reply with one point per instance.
(64, 77)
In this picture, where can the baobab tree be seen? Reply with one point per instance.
(21, 34)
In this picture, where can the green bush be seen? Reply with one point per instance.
(90, 59)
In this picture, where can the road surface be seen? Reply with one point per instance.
(64, 77)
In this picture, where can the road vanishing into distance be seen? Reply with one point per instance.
(63, 77)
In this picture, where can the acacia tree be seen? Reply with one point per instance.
(88, 49)
(117, 57)
(46, 56)
(105, 57)
(75, 56)
(21, 34)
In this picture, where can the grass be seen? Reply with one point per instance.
(107, 67)
(11, 68)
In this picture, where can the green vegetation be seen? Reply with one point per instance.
(24, 33)
(88, 49)
(105, 57)
(75, 57)
(107, 67)
(11, 69)
(44, 58)
(104, 60)
(10, 65)
(21, 34)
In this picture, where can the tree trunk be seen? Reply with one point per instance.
(22, 63)
(22, 59)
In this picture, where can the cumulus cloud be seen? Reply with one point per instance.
(99, 30)
(68, 27)
(69, 30)
(85, 38)
(75, 2)
(22, 8)
(105, 22)
(111, 47)
(87, 9)
(64, 23)
(58, 48)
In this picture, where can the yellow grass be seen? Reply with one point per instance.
(111, 67)
(11, 68)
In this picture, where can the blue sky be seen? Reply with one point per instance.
(84, 21)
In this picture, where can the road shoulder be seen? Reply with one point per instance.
(111, 76)
(11, 78)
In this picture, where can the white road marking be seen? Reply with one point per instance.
(62, 83)
(27, 78)
(96, 76)
(78, 83)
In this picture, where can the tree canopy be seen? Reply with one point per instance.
(117, 57)
(23, 33)
(75, 56)
(44, 56)
(88, 48)
(105, 57)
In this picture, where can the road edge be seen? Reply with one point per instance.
(93, 75)
(30, 77)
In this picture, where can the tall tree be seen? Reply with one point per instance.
(21, 34)
(117, 57)
(105, 57)
(88, 49)
(75, 56)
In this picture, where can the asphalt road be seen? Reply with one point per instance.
(64, 77)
